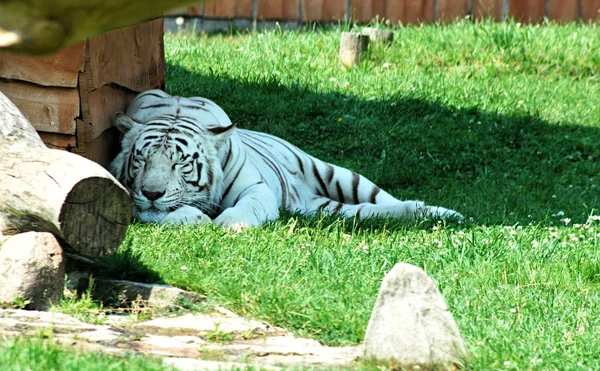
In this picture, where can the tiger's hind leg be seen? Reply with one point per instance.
(393, 209)
(342, 191)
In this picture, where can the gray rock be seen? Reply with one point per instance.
(154, 295)
(151, 294)
(411, 324)
(203, 324)
(188, 346)
(33, 269)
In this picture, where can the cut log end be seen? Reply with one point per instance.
(95, 216)
(352, 47)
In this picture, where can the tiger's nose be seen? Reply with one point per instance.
(153, 196)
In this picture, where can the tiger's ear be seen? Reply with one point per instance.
(222, 133)
(124, 123)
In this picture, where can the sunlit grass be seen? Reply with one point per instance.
(497, 121)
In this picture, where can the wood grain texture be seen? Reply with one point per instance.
(449, 10)
(531, 11)
(243, 8)
(50, 109)
(333, 10)
(483, 9)
(411, 11)
(128, 57)
(313, 10)
(59, 141)
(104, 103)
(367, 10)
(45, 190)
(16, 133)
(352, 46)
(55, 191)
(590, 10)
(61, 69)
(563, 10)
(270, 9)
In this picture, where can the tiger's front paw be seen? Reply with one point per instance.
(186, 215)
(231, 219)
(438, 212)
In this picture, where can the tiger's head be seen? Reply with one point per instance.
(166, 164)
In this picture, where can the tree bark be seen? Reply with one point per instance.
(47, 190)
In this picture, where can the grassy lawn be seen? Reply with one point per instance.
(497, 121)
(44, 355)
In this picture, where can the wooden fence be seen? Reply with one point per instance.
(405, 11)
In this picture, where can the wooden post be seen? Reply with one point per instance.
(347, 11)
(300, 11)
(352, 46)
(254, 14)
(377, 35)
(47, 190)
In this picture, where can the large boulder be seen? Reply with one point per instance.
(32, 269)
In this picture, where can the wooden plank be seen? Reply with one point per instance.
(393, 11)
(60, 69)
(183, 11)
(530, 11)
(210, 9)
(368, 10)
(49, 109)
(483, 9)
(450, 10)
(270, 9)
(333, 10)
(290, 10)
(224, 9)
(590, 10)
(313, 11)
(104, 148)
(131, 57)
(59, 141)
(563, 10)
(243, 8)
(103, 104)
(194, 11)
(417, 11)
(363, 10)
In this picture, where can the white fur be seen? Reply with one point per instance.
(248, 175)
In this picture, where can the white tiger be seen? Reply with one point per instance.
(184, 162)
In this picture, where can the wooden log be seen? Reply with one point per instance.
(43, 27)
(377, 35)
(352, 46)
(47, 190)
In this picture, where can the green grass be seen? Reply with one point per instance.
(26, 354)
(497, 121)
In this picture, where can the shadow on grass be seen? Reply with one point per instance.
(493, 168)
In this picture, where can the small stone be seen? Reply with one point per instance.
(411, 324)
(202, 324)
(153, 295)
(33, 270)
